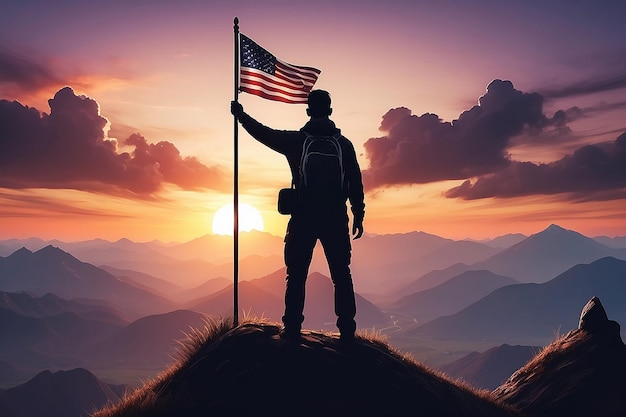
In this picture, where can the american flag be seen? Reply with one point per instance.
(264, 75)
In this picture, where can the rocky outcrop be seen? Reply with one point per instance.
(580, 374)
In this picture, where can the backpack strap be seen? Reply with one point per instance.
(336, 137)
(303, 158)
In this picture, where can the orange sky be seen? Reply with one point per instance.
(166, 72)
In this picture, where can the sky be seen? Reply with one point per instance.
(471, 119)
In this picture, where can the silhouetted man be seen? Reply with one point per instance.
(317, 215)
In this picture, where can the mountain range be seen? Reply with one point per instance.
(184, 264)
(50, 305)
(95, 329)
(381, 264)
(61, 311)
(534, 312)
(67, 340)
(537, 258)
(51, 270)
(542, 256)
(451, 296)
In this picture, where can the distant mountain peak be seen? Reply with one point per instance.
(21, 252)
(53, 252)
(50, 296)
(555, 229)
(546, 254)
(50, 249)
(124, 241)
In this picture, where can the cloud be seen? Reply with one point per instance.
(422, 149)
(476, 148)
(20, 74)
(606, 107)
(592, 172)
(69, 149)
(588, 86)
(14, 202)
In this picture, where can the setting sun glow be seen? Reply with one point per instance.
(249, 219)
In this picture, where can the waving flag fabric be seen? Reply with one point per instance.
(264, 75)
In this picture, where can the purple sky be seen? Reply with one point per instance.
(470, 118)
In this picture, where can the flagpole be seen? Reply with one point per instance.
(236, 186)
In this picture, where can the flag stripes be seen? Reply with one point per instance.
(264, 75)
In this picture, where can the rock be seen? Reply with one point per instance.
(593, 319)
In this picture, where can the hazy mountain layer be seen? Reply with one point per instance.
(535, 312)
(489, 369)
(72, 393)
(451, 296)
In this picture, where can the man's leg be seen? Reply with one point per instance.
(337, 248)
(299, 244)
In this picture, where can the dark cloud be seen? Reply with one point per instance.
(69, 149)
(13, 203)
(20, 74)
(606, 107)
(593, 172)
(476, 146)
(589, 86)
(421, 149)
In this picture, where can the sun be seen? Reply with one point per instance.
(249, 219)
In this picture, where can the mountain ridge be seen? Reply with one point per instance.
(534, 312)
(52, 270)
(451, 296)
(544, 255)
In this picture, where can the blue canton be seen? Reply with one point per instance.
(253, 56)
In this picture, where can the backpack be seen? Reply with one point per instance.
(321, 166)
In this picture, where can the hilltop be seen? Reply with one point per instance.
(250, 370)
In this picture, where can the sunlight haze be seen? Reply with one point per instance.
(249, 219)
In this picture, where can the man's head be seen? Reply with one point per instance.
(319, 104)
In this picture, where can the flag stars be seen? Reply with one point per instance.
(253, 56)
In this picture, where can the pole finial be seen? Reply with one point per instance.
(236, 21)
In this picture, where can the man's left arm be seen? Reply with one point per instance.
(356, 195)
